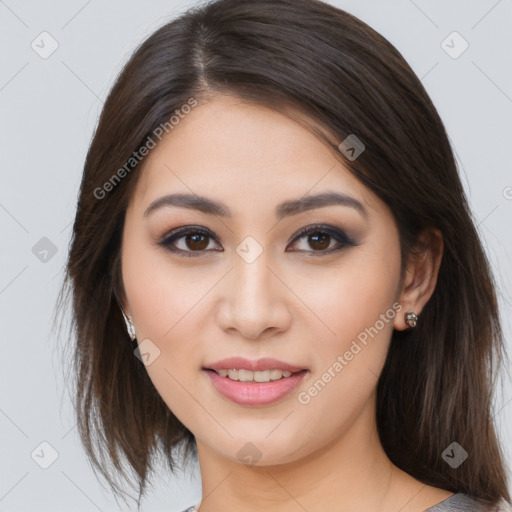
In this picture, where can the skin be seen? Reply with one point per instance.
(286, 304)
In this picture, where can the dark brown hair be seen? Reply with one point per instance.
(299, 57)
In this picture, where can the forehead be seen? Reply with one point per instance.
(230, 149)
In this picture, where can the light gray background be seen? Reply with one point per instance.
(49, 110)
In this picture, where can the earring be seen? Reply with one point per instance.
(129, 326)
(411, 319)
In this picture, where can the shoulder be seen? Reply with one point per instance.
(461, 502)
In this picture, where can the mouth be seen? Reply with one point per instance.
(254, 382)
(254, 388)
(260, 376)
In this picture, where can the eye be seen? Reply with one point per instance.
(195, 241)
(320, 237)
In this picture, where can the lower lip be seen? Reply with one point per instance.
(255, 393)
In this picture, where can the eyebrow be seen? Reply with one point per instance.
(284, 209)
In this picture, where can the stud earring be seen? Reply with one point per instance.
(129, 325)
(411, 319)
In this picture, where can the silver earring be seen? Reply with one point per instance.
(411, 319)
(129, 325)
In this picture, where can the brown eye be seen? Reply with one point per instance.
(196, 242)
(193, 241)
(319, 239)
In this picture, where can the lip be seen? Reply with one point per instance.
(255, 393)
(240, 363)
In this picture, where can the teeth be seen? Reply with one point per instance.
(250, 376)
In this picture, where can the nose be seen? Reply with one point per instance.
(253, 303)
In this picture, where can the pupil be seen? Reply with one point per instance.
(324, 237)
(193, 244)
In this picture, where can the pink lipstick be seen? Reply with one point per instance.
(254, 383)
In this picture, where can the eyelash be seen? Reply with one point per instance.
(177, 234)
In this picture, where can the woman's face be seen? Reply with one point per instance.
(245, 283)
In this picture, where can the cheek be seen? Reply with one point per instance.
(159, 294)
(350, 360)
(166, 301)
(163, 314)
(350, 298)
(355, 338)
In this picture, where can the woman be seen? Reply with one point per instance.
(271, 208)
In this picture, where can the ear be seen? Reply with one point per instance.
(420, 275)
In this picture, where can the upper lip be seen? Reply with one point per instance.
(240, 363)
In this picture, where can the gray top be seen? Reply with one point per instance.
(461, 502)
(458, 502)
